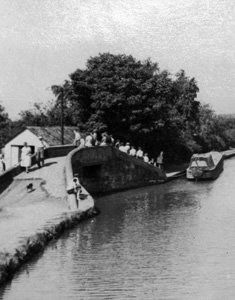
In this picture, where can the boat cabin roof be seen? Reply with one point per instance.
(209, 159)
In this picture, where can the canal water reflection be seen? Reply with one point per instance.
(172, 241)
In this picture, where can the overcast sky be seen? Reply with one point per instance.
(42, 41)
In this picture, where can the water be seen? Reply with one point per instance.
(172, 241)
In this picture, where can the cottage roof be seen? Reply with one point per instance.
(52, 135)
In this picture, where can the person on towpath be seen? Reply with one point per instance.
(2, 164)
(26, 157)
(40, 152)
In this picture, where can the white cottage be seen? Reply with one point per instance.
(30, 135)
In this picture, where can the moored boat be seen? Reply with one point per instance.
(205, 166)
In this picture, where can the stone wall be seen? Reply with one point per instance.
(56, 151)
(106, 169)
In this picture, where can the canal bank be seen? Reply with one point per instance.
(30, 219)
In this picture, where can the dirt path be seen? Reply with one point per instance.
(22, 213)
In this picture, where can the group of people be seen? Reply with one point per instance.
(26, 155)
(94, 139)
(140, 154)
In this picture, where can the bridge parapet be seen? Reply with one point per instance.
(105, 169)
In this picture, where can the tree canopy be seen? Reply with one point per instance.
(133, 100)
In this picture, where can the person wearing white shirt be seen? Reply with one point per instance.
(88, 140)
(146, 158)
(132, 151)
(82, 142)
(26, 160)
(122, 148)
(127, 147)
(140, 153)
(77, 137)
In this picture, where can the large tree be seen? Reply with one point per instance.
(133, 100)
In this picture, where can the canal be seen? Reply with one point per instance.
(171, 241)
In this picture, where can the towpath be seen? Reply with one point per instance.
(23, 213)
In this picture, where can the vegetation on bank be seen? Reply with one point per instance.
(136, 102)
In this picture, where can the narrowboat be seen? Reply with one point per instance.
(205, 166)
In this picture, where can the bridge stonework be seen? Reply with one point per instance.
(106, 169)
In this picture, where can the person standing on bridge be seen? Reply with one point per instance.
(88, 140)
(117, 144)
(82, 141)
(146, 158)
(106, 139)
(140, 153)
(95, 138)
(112, 140)
(127, 148)
(122, 147)
(132, 151)
(160, 160)
(77, 137)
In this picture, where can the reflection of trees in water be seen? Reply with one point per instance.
(129, 220)
(119, 210)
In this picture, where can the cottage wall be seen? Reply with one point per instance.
(11, 149)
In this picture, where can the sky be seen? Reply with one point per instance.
(43, 41)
